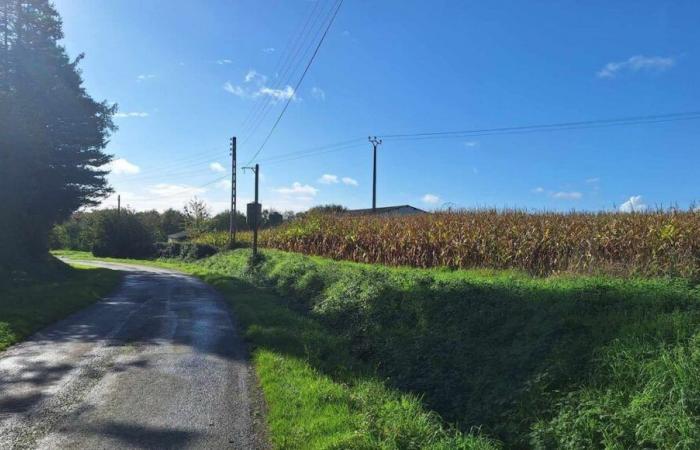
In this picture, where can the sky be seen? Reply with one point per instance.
(188, 76)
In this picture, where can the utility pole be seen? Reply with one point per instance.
(253, 215)
(375, 143)
(232, 210)
(119, 204)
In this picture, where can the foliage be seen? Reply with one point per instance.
(52, 132)
(171, 222)
(562, 362)
(50, 292)
(221, 221)
(197, 216)
(185, 250)
(121, 234)
(654, 243)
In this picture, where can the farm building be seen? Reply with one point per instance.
(400, 210)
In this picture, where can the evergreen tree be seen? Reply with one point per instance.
(52, 133)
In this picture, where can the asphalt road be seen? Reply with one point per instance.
(158, 364)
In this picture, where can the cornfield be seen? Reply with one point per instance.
(652, 243)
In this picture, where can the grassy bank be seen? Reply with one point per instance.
(48, 292)
(560, 362)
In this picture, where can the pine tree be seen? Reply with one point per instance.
(52, 133)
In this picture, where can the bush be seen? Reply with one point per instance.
(191, 250)
(121, 235)
(185, 250)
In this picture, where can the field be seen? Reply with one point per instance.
(646, 244)
(345, 351)
(49, 293)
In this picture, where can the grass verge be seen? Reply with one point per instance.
(54, 290)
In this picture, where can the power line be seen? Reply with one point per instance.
(622, 121)
(285, 62)
(296, 88)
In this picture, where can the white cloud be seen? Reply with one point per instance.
(471, 144)
(634, 204)
(318, 93)
(235, 90)
(217, 167)
(258, 80)
(254, 76)
(430, 199)
(120, 115)
(268, 50)
(593, 180)
(224, 184)
(327, 178)
(350, 181)
(221, 62)
(298, 189)
(567, 195)
(277, 94)
(635, 64)
(144, 77)
(123, 167)
(538, 190)
(175, 190)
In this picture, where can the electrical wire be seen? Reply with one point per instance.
(296, 88)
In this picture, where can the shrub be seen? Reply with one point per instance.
(120, 234)
(191, 251)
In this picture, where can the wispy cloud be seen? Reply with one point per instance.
(254, 86)
(328, 178)
(318, 93)
(430, 199)
(121, 115)
(235, 90)
(146, 76)
(538, 190)
(636, 64)
(471, 144)
(594, 180)
(298, 189)
(221, 62)
(350, 181)
(175, 190)
(217, 167)
(268, 50)
(277, 94)
(634, 204)
(254, 76)
(121, 166)
(564, 195)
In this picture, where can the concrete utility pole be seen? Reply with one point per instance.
(232, 210)
(119, 204)
(375, 143)
(254, 210)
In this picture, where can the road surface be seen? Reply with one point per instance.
(158, 364)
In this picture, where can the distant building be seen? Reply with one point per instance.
(180, 236)
(401, 210)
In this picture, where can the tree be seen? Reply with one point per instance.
(220, 222)
(121, 234)
(196, 216)
(327, 209)
(171, 221)
(52, 133)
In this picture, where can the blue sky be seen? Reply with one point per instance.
(188, 75)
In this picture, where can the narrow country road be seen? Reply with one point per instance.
(158, 364)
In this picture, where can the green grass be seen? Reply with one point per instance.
(46, 293)
(344, 351)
